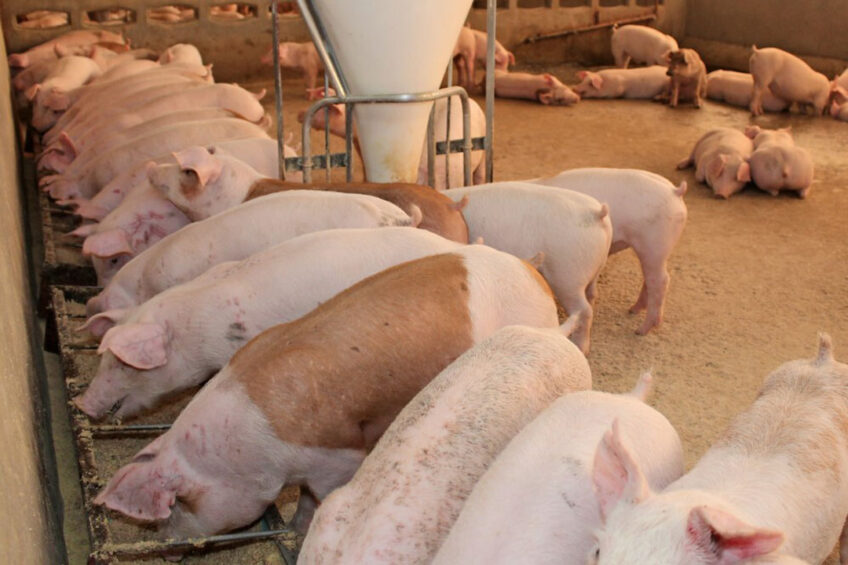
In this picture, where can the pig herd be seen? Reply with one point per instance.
(396, 350)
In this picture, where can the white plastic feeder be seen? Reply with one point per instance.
(392, 47)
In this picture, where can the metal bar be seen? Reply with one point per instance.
(466, 142)
(590, 27)
(278, 90)
(319, 38)
(274, 521)
(349, 142)
(431, 146)
(117, 430)
(447, 127)
(491, 9)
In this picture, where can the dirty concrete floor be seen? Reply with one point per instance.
(753, 279)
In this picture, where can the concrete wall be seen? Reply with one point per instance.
(28, 519)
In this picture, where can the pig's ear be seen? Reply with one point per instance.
(582, 74)
(61, 50)
(107, 244)
(615, 473)
(511, 57)
(597, 80)
(545, 96)
(202, 163)
(32, 91)
(743, 173)
(752, 131)
(548, 78)
(84, 230)
(67, 144)
(716, 166)
(100, 323)
(57, 100)
(719, 533)
(834, 109)
(142, 346)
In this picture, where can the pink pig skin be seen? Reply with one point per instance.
(544, 88)
(544, 477)
(49, 98)
(777, 163)
(647, 213)
(721, 158)
(202, 335)
(767, 488)
(737, 89)
(503, 58)
(640, 83)
(439, 446)
(236, 234)
(46, 51)
(788, 77)
(465, 58)
(640, 44)
(301, 56)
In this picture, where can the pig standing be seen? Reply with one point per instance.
(571, 230)
(303, 402)
(642, 83)
(236, 234)
(404, 498)
(777, 163)
(647, 213)
(544, 88)
(737, 89)
(721, 158)
(503, 57)
(140, 365)
(302, 56)
(542, 480)
(788, 77)
(640, 44)
(774, 482)
(688, 78)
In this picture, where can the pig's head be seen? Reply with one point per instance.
(47, 105)
(682, 63)
(556, 92)
(185, 53)
(113, 297)
(337, 116)
(109, 251)
(590, 83)
(58, 155)
(19, 60)
(672, 528)
(727, 174)
(204, 181)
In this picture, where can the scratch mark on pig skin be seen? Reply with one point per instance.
(236, 332)
(355, 348)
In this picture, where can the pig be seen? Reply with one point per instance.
(86, 180)
(640, 44)
(839, 111)
(788, 77)
(772, 485)
(647, 213)
(639, 83)
(737, 89)
(184, 53)
(544, 88)
(454, 165)
(304, 272)
(465, 58)
(721, 159)
(503, 57)
(301, 56)
(402, 501)
(238, 233)
(49, 98)
(362, 356)
(46, 51)
(571, 230)
(778, 164)
(688, 78)
(543, 479)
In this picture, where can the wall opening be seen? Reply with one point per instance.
(42, 19)
(171, 14)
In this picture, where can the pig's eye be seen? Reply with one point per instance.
(113, 261)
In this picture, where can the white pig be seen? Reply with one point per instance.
(404, 498)
(236, 234)
(647, 213)
(572, 230)
(544, 88)
(788, 77)
(839, 111)
(737, 89)
(542, 480)
(301, 56)
(49, 98)
(773, 484)
(777, 163)
(640, 44)
(303, 402)
(642, 83)
(721, 158)
(181, 337)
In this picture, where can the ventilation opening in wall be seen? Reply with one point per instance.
(649, 2)
(286, 10)
(481, 4)
(171, 14)
(231, 12)
(610, 3)
(535, 3)
(42, 19)
(574, 3)
(109, 16)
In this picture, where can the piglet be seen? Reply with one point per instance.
(503, 57)
(302, 56)
(688, 78)
(544, 88)
(839, 111)
(721, 158)
(640, 44)
(49, 98)
(465, 57)
(543, 480)
(647, 213)
(404, 498)
(737, 89)
(642, 82)
(303, 402)
(47, 50)
(773, 484)
(777, 163)
(788, 77)
(236, 234)
(208, 319)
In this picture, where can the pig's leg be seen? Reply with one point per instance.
(479, 176)
(310, 76)
(675, 92)
(622, 59)
(306, 506)
(756, 105)
(654, 288)
(592, 291)
(579, 308)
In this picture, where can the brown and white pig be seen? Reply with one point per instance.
(303, 402)
(640, 83)
(47, 50)
(721, 158)
(238, 233)
(647, 213)
(777, 163)
(788, 77)
(544, 88)
(571, 230)
(301, 56)
(688, 78)
(640, 44)
(543, 479)
(181, 337)
(403, 500)
(49, 99)
(737, 89)
(773, 484)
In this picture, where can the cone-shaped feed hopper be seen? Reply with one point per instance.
(392, 47)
